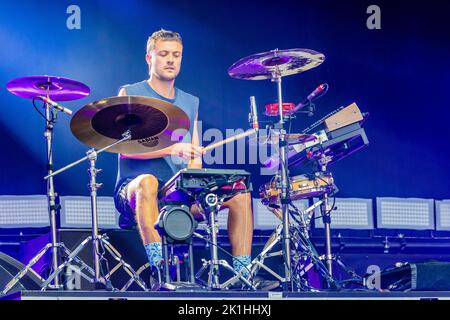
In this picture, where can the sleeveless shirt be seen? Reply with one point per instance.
(162, 168)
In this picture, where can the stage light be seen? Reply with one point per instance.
(349, 213)
(443, 215)
(24, 211)
(76, 212)
(409, 213)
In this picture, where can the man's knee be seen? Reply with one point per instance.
(240, 204)
(147, 184)
(242, 199)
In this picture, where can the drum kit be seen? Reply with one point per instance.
(135, 124)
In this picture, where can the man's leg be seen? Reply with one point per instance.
(142, 195)
(240, 229)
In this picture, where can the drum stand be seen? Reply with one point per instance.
(285, 200)
(300, 238)
(96, 239)
(284, 168)
(326, 217)
(210, 205)
(52, 207)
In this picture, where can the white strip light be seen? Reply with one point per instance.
(76, 212)
(410, 213)
(24, 211)
(443, 215)
(349, 213)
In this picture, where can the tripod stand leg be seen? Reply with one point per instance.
(225, 264)
(65, 263)
(138, 272)
(79, 261)
(118, 257)
(27, 268)
(316, 260)
(273, 240)
(201, 271)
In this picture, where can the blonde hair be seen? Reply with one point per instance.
(164, 35)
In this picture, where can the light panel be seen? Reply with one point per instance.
(24, 211)
(76, 212)
(405, 213)
(350, 213)
(443, 215)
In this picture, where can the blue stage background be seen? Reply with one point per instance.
(399, 74)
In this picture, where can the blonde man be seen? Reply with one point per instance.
(140, 175)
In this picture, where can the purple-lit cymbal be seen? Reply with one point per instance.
(269, 65)
(57, 88)
(154, 124)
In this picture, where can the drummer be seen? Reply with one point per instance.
(140, 175)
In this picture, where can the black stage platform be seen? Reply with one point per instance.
(226, 295)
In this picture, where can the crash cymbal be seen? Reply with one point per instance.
(57, 88)
(153, 123)
(273, 138)
(269, 65)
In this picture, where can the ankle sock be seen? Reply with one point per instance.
(240, 263)
(154, 253)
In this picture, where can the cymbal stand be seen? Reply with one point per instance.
(96, 239)
(50, 120)
(284, 168)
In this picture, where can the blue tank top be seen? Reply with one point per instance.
(162, 168)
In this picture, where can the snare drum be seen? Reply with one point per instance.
(301, 187)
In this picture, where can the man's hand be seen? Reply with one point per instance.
(187, 151)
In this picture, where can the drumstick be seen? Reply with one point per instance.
(230, 139)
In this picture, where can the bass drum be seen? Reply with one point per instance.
(301, 187)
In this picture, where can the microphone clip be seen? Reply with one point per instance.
(311, 109)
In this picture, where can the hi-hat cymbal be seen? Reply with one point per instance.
(57, 88)
(269, 65)
(153, 123)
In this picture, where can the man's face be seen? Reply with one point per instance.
(165, 59)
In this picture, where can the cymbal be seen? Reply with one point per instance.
(57, 88)
(153, 123)
(291, 139)
(269, 65)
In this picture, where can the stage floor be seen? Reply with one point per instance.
(225, 295)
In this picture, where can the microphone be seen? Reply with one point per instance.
(55, 105)
(253, 113)
(319, 91)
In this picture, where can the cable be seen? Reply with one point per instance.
(35, 107)
(332, 208)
